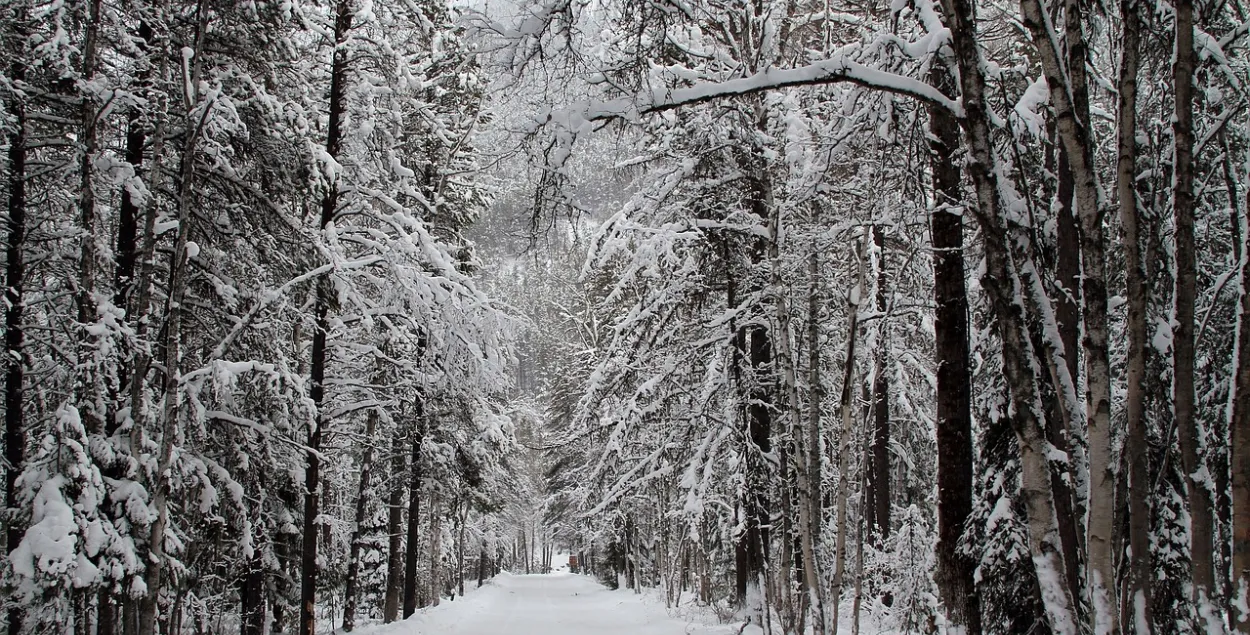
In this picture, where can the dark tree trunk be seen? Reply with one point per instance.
(252, 599)
(1136, 446)
(329, 204)
(1199, 494)
(86, 379)
(481, 564)
(879, 475)
(1240, 431)
(754, 541)
(955, 570)
(14, 335)
(362, 502)
(394, 527)
(127, 252)
(412, 556)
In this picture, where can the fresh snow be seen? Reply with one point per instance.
(552, 604)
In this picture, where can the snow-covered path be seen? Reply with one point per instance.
(553, 604)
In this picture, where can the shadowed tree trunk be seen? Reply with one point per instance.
(411, 556)
(1201, 530)
(325, 295)
(14, 335)
(252, 598)
(955, 570)
(878, 517)
(351, 592)
(1002, 285)
(394, 527)
(1137, 598)
(1240, 431)
(87, 375)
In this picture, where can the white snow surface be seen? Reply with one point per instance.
(551, 604)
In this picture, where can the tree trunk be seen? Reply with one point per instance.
(814, 474)
(786, 368)
(173, 337)
(325, 296)
(1137, 598)
(853, 300)
(1002, 286)
(1069, 96)
(14, 334)
(755, 343)
(252, 598)
(955, 570)
(461, 520)
(481, 565)
(394, 527)
(436, 549)
(879, 474)
(1240, 451)
(1201, 529)
(127, 251)
(414, 510)
(87, 377)
(362, 502)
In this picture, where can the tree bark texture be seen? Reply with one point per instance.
(1136, 601)
(1002, 286)
(1069, 97)
(14, 334)
(321, 310)
(351, 592)
(173, 334)
(413, 542)
(853, 300)
(1197, 480)
(394, 529)
(955, 573)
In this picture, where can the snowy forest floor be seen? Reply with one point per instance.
(553, 604)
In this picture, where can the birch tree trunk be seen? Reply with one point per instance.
(1002, 285)
(1068, 95)
(173, 331)
(1137, 597)
(321, 310)
(813, 473)
(847, 415)
(786, 363)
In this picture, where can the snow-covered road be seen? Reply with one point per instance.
(554, 604)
